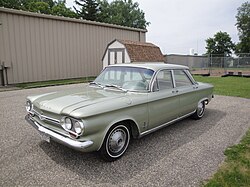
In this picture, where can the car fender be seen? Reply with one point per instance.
(114, 122)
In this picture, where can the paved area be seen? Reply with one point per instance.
(183, 154)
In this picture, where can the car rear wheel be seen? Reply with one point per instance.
(199, 111)
(115, 143)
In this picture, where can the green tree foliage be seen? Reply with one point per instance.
(25, 4)
(122, 12)
(60, 9)
(243, 26)
(89, 9)
(220, 44)
(40, 6)
(15, 4)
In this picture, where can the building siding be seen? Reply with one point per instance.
(39, 47)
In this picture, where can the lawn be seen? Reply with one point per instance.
(235, 171)
(230, 86)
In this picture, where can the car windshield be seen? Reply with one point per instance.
(125, 78)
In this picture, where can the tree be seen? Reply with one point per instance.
(221, 43)
(26, 4)
(104, 14)
(15, 4)
(243, 26)
(89, 9)
(60, 9)
(41, 6)
(122, 12)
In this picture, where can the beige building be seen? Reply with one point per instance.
(37, 47)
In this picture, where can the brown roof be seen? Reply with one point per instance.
(142, 51)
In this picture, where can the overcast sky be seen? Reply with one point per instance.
(179, 25)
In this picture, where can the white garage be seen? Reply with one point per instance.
(126, 51)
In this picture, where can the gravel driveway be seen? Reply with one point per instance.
(183, 154)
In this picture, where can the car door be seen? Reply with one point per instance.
(186, 91)
(163, 101)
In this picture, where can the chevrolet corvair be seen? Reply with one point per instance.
(125, 101)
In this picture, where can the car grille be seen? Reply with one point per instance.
(46, 118)
(41, 115)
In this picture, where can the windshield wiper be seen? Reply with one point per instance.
(96, 83)
(115, 86)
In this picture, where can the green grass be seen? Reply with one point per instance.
(54, 82)
(230, 86)
(235, 171)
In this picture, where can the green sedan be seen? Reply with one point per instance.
(125, 101)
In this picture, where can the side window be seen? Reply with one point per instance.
(181, 79)
(163, 80)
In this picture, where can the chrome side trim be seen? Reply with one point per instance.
(164, 125)
(59, 138)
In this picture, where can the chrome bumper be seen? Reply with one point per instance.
(59, 138)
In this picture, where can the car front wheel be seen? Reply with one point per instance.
(199, 111)
(115, 143)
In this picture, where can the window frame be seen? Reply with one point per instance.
(154, 79)
(188, 76)
(186, 72)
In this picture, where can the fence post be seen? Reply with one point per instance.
(211, 63)
(238, 61)
(224, 63)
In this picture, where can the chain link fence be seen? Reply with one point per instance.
(218, 65)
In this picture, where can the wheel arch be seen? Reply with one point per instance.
(132, 127)
(130, 123)
(205, 99)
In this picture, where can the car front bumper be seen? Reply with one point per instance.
(77, 145)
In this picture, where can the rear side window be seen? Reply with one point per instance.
(163, 80)
(181, 78)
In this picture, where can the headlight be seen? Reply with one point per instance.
(28, 106)
(78, 127)
(68, 123)
(73, 126)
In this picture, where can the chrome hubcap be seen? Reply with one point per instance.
(117, 140)
(200, 109)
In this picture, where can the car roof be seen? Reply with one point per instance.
(153, 66)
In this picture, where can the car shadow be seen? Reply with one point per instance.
(141, 154)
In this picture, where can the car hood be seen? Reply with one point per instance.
(70, 101)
